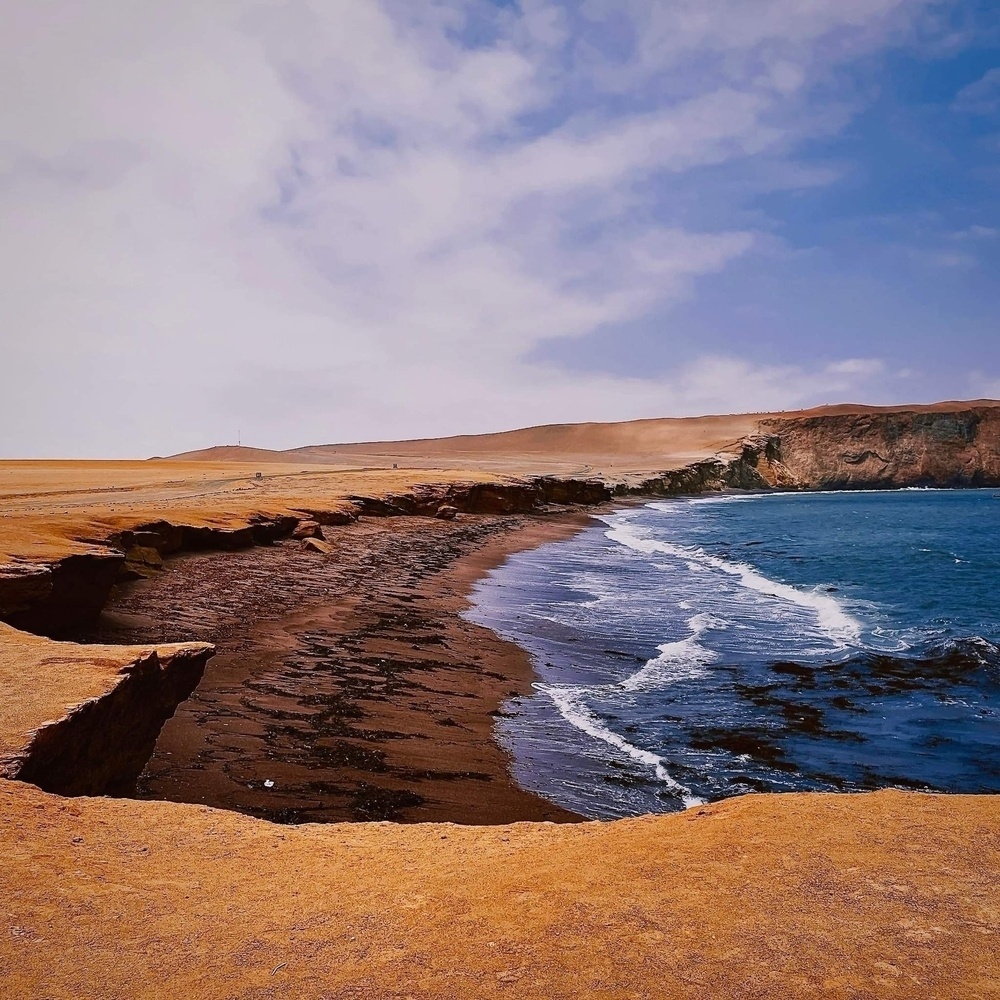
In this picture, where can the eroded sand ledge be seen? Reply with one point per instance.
(884, 894)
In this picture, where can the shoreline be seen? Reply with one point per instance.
(367, 697)
(794, 894)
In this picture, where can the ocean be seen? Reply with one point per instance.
(693, 649)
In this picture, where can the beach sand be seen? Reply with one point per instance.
(348, 681)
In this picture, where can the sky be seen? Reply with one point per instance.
(314, 221)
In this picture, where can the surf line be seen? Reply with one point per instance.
(569, 701)
(685, 653)
(838, 625)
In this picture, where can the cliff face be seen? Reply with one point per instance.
(885, 450)
(869, 449)
(61, 599)
(757, 466)
(83, 720)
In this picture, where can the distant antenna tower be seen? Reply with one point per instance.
(239, 440)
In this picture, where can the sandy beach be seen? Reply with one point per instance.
(345, 686)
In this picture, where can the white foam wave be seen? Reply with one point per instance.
(569, 702)
(835, 622)
(684, 659)
(677, 504)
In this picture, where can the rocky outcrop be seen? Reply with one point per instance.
(864, 450)
(757, 466)
(100, 746)
(514, 496)
(63, 599)
(307, 529)
(891, 449)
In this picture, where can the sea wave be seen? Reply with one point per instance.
(684, 659)
(842, 629)
(570, 703)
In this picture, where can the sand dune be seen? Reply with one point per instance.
(627, 446)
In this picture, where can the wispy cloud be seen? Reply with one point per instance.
(981, 97)
(326, 221)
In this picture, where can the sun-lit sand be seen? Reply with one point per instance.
(893, 894)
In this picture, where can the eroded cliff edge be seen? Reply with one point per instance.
(868, 449)
(889, 450)
(83, 720)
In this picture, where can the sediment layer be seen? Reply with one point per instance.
(83, 720)
(886, 450)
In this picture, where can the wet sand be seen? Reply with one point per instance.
(346, 686)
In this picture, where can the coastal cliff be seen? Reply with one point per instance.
(886, 450)
(62, 598)
(83, 720)
(869, 449)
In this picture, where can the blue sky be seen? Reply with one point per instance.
(339, 221)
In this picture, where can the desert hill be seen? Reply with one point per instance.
(574, 449)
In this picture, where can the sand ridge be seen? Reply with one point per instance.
(609, 449)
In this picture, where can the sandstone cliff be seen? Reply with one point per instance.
(866, 448)
(880, 450)
(82, 720)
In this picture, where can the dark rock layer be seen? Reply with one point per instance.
(101, 746)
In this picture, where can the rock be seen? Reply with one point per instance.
(307, 529)
(317, 545)
(64, 597)
(339, 517)
(22, 585)
(949, 445)
(446, 512)
(140, 561)
(99, 744)
(144, 555)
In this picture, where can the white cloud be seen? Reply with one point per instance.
(977, 232)
(328, 221)
(981, 97)
(864, 367)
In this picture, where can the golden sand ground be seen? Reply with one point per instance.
(837, 896)
(884, 895)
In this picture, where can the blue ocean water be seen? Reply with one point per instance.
(698, 648)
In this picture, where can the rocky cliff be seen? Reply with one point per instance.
(867, 449)
(889, 449)
(83, 720)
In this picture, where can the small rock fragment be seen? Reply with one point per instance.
(307, 529)
(317, 545)
(446, 512)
